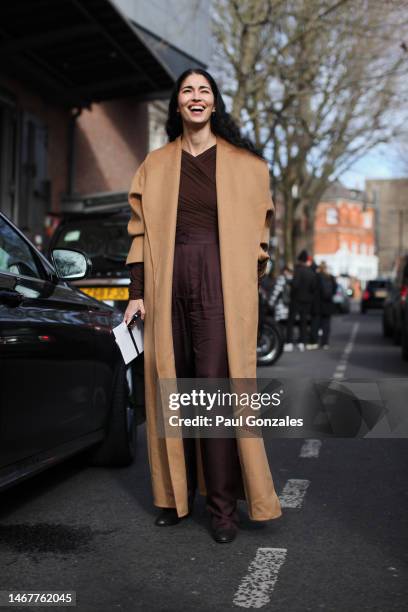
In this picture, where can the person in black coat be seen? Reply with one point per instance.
(302, 294)
(327, 287)
(315, 311)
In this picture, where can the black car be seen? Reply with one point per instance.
(104, 238)
(64, 386)
(394, 304)
(375, 294)
(404, 331)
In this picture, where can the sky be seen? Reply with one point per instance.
(382, 163)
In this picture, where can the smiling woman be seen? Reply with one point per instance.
(195, 105)
(209, 188)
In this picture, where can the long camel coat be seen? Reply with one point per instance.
(245, 209)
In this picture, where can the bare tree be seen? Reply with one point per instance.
(316, 84)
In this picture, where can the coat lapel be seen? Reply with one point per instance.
(163, 218)
(161, 202)
(226, 181)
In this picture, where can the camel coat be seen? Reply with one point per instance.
(245, 210)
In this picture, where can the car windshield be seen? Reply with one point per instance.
(105, 241)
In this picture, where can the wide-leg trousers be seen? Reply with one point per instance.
(200, 350)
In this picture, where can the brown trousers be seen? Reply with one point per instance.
(200, 350)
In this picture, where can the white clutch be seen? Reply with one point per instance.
(129, 339)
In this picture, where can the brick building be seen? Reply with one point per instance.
(344, 234)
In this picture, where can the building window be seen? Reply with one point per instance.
(367, 220)
(363, 248)
(332, 216)
(354, 247)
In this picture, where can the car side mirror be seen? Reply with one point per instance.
(70, 264)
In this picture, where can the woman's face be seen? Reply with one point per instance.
(195, 100)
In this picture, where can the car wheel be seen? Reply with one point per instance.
(270, 345)
(119, 446)
(363, 309)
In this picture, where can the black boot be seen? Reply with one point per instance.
(223, 531)
(167, 518)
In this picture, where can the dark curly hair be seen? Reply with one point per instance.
(221, 122)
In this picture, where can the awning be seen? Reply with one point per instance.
(80, 51)
(176, 61)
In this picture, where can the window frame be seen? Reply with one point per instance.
(46, 271)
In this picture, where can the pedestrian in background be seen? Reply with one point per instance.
(301, 297)
(280, 296)
(315, 311)
(327, 287)
(267, 282)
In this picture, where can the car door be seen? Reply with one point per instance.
(47, 354)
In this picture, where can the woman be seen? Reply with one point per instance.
(200, 215)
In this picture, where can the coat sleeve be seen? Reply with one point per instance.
(263, 255)
(135, 226)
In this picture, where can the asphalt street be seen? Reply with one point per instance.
(340, 545)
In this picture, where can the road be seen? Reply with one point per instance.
(340, 545)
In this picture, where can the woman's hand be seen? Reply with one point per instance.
(132, 308)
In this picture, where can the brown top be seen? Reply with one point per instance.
(197, 219)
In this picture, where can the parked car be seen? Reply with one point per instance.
(391, 315)
(346, 282)
(341, 299)
(375, 294)
(404, 331)
(64, 386)
(394, 304)
(103, 237)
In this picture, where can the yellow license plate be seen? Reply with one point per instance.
(107, 293)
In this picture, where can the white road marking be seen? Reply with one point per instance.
(342, 365)
(257, 585)
(293, 493)
(310, 448)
